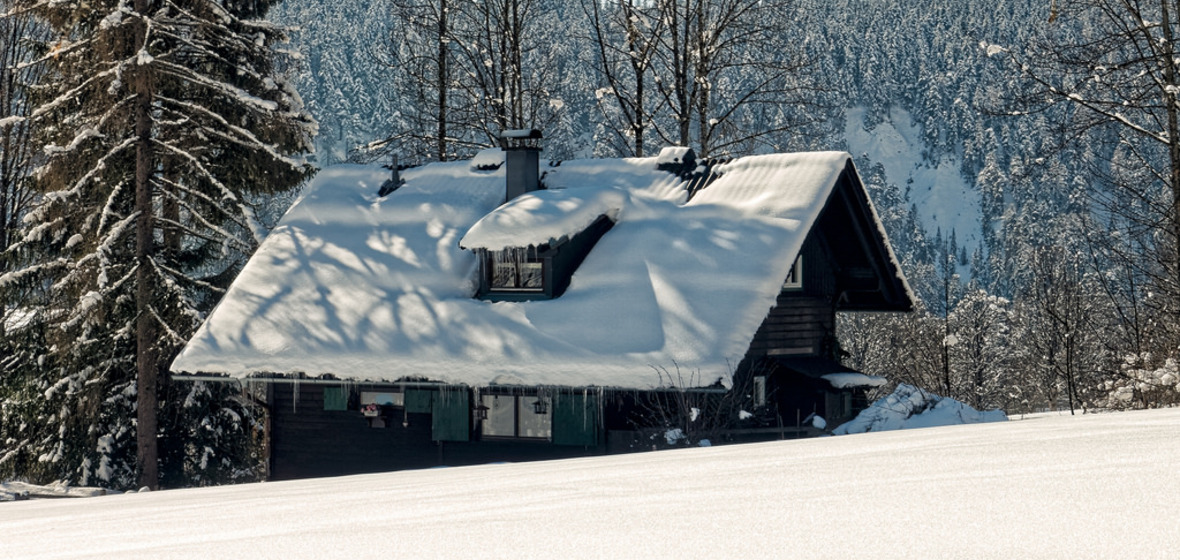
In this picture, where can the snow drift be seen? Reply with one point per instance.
(911, 407)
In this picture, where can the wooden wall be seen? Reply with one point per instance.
(797, 326)
(308, 441)
(803, 321)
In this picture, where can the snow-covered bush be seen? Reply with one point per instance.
(911, 407)
(1143, 386)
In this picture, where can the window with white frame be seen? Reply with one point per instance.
(794, 279)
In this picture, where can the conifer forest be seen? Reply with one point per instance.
(1023, 155)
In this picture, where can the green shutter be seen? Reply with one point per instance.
(452, 415)
(575, 419)
(335, 398)
(418, 400)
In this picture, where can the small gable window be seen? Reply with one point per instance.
(794, 279)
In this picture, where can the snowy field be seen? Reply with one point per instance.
(1049, 486)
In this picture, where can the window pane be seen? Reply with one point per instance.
(533, 425)
(501, 420)
(503, 272)
(392, 399)
(515, 269)
(532, 276)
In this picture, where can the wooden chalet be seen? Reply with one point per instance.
(505, 310)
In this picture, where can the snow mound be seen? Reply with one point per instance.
(487, 160)
(15, 490)
(911, 407)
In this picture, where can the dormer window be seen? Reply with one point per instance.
(515, 270)
(536, 272)
(529, 248)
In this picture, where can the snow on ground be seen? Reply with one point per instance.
(911, 407)
(11, 491)
(1049, 486)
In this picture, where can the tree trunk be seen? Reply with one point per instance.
(444, 79)
(638, 54)
(147, 370)
(1170, 85)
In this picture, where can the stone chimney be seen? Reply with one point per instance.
(522, 152)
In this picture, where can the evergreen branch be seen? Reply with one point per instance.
(176, 274)
(108, 210)
(69, 95)
(256, 229)
(175, 336)
(226, 239)
(104, 249)
(198, 194)
(183, 73)
(97, 168)
(250, 140)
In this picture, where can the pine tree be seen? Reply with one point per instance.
(16, 157)
(165, 123)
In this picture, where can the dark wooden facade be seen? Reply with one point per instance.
(845, 266)
(308, 440)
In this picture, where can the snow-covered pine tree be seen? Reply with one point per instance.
(165, 122)
(16, 158)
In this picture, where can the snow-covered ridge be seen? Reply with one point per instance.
(13, 491)
(852, 379)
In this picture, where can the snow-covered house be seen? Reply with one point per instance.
(458, 319)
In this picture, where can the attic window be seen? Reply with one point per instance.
(794, 279)
(536, 272)
(516, 270)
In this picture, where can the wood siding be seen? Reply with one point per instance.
(797, 325)
(308, 441)
(802, 321)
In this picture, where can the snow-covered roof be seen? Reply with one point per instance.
(365, 287)
(848, 380)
